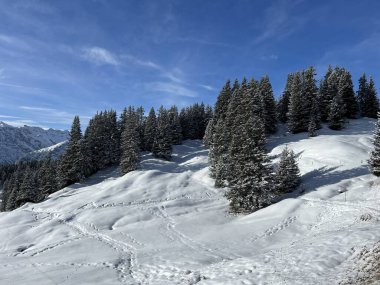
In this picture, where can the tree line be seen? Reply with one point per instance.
(107, 140)
(246, 113)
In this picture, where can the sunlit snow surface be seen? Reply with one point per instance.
(167, 224)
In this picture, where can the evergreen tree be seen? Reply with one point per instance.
(268, 105)
(207, 139)
(324, 95)
(175, 126)
(162, 147)
(362, 94)
(288, 174)
(372, 103)
(251, 183)
(295, 114)
(347, 93)
(72, 162)
(283, 103)
(150, 130)
(374, 160)
(130, 140)
(336, 113)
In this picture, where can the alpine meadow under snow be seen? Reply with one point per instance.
(166, 223)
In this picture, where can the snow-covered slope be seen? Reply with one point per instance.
(167, 224)
(54, 151)
(16, 142)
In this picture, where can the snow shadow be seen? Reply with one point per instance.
(328, 176)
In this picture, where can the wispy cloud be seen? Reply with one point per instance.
(205, 42)
(37, 109)
(21, 87)
(9, 117)
(207, 87)
(171, 88)
(100, 55)
(278, 20)
(269, 57)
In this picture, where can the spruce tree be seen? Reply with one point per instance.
(162, 147)
(374, 160)
(288, 174)
(295, 114)
(130, 140)
(72, 162)
(324, 96)
(347, 93)
(251, 183)
(362, 94)
(283, 103)
(150, 130)
(175, 126)
(372, 102)
(268, 105)
(336, 113)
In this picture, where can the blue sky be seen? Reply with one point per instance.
(62, 58)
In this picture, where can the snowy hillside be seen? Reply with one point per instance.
(16, 142)
(55, 151)
(167, 224)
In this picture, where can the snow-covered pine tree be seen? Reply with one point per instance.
(374, 160)
(372, 102)
(283, 102)
(175, 126)
(295, 114)
(314, 121)
(207, 139)
(324, 96)
(347, 93)
(288, 176)
(71, 163)
(268, 105)
(336, 113)
(251, 184)
(150, 130)
(141, 125)
(162, 147)
(219, 156)
(362, 94)
(130, 140)
(309, 93)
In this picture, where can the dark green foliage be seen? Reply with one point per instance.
(336, 113)
(268, 105)
(251, 181)
(194, 120)
(324, 95)
(175, 126)
(374, 160)
(283, 102)
(130, 140)
(295, 114)
(288, 176)
(150, 130)
(72, 163)
(28, 181)
(162, 146)
(347, 93)
(372, 102)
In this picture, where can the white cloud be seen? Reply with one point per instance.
(172, 88)
(100, 55)
(278, 21)
(207, 87)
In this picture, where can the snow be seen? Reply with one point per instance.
(167, 224)
(55, 151)
(17, 142)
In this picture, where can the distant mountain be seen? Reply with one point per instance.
(55, 151)
(20, 142)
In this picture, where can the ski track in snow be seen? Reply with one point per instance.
(167, 224)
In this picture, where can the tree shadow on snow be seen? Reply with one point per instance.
(324, 176)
